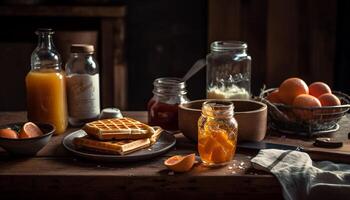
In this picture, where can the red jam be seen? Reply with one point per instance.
(163, 115)
(168, 92)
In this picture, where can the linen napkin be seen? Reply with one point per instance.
(301, 178)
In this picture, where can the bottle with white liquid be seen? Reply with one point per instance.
(83, 88)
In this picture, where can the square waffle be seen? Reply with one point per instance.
(118, 128)
(121, 147)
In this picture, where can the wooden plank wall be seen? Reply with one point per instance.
(285, 38)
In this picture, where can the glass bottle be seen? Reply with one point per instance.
(217, 133)
(83, 88)
(228, 70)
(45, 84)
(163, 106)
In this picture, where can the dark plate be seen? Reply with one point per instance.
(164, 143)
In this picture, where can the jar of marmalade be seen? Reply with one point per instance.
(217, 133)
(162, 109)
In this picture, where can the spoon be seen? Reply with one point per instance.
(198, 65)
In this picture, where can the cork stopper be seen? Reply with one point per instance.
(82, 48)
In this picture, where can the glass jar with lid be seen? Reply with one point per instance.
(162, 108)
(217, 132)
(228, 70)
(83, 88)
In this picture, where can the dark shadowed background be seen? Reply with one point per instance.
(138, 41)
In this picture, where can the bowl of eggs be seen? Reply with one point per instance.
(25, 138)
(302, 109)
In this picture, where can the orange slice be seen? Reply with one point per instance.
(180, 163)
(30, 130)
(208, 145)
(218, 154)
(203, 152)
(223, 139)
(8, 133)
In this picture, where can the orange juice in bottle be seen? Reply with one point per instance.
(45, 83)
(217, 133)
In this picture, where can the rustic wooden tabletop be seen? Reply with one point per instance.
(55, 173)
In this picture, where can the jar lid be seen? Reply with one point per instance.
(82, 48)
(108, 113)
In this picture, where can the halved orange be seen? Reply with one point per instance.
(30, 130)
(180, 163)
(8, 133)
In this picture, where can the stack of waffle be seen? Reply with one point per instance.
(117, 136)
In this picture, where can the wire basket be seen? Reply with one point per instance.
(306, 121)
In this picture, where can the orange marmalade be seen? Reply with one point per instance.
(217, 133)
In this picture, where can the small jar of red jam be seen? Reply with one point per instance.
(163, 107)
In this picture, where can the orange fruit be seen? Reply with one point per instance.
(30, 130)
(273, 97)
(290, 89)
(329, 99)
(305, 100)
(180, 163)
(8, 133)
(316, 89)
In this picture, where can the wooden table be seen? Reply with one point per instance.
(56, 174)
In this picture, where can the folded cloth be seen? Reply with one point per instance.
(301, 178)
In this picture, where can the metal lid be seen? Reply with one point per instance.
(108, 113)
(82, 48)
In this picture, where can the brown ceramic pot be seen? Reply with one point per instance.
(250, 115)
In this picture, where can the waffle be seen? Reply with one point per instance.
(118, 128)
(120, 147)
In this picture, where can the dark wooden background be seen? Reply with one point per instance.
(304, 38)
(164, 39)
(285, 38)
